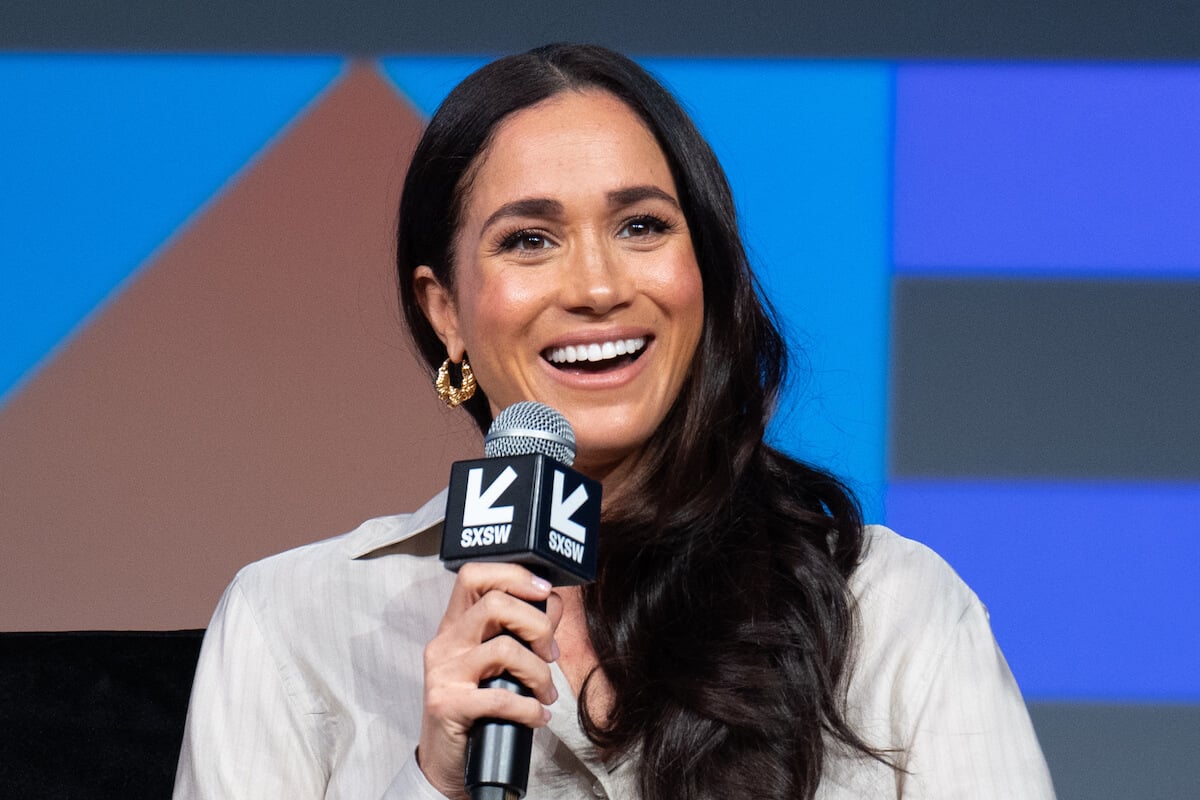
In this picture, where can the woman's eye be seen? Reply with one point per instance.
(525, 240)
(642, 226)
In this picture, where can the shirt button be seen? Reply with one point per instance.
(597, 789)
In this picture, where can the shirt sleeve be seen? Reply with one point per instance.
(247, 733)
(411, 784)
(972, 736)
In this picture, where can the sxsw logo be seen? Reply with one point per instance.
(526, 509)
(487, 523)
(567, 537)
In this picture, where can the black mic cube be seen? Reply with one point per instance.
(527, 509)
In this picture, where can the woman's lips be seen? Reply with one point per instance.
(598, 353)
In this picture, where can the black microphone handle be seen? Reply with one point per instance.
(499, 750)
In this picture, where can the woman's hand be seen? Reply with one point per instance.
(488, 600)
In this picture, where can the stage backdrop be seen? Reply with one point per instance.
(990, 270)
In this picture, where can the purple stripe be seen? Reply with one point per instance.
(1092, 587)
(1047, 168)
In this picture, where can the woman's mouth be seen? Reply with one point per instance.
(596, 356)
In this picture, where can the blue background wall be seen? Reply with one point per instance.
(935, 233)
(850, 177)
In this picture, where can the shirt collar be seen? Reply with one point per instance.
(377, 534)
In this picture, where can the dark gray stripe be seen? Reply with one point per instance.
(1150, 29)
(1070, 379)
(1120, 752)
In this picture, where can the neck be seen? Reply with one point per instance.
(577, 659)
(615, 476)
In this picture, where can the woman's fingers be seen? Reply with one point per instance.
(490, 659)
(554, 609)
(487, 619)
(459, 710)
(450, 711)
(478, 578)
(491, 599)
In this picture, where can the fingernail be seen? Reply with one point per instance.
(554, 651)
(553, 693)
(546, 714)
(541, 583)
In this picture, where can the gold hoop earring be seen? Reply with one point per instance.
(454, 396)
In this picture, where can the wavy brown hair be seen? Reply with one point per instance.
(721, 617)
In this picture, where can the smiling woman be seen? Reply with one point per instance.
(572, 243)
(566, 236)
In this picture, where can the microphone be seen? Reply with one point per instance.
(521, 504)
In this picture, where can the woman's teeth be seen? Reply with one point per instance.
(600, 351)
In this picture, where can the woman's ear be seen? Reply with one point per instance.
(437, 302)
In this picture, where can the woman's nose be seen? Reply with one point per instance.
(596, 280)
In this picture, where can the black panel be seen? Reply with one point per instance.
(93, 714)
(1101, 29)
(1058, 379)
(1120, 752)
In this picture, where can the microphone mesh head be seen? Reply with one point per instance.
(528, 427)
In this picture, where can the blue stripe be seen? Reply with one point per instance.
(1092, 587)
(426, 81)
(807, 147)
(104, 157)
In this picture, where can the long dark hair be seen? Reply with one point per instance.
(722, 618)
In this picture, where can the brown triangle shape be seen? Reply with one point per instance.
(251, 390)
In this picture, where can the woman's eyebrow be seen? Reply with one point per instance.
(620, 198)
(528, 207)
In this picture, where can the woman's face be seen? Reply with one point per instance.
(575, 282)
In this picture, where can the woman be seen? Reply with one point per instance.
(567, 236)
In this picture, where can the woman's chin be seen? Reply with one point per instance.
(604, 460)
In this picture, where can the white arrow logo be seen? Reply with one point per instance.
(561, 510)
(477, 506)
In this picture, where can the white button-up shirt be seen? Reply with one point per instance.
(310, 682)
